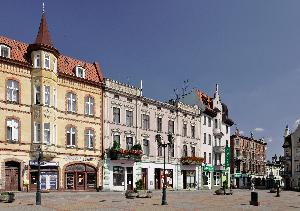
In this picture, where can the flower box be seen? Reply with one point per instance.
(192, 160)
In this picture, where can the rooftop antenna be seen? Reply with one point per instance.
(43, 7)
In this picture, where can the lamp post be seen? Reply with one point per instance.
(164, 145)
(38, 196)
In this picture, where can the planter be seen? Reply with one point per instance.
(144, 194)
(7, 197)
(131, 194)
(221, 192)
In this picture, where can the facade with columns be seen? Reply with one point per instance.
(50, 102)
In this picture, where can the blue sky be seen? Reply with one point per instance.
(251, 48)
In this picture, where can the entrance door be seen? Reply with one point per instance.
(184, 179)
(80, 181)
(129, 178)
(12, 176)
(145, 178)
(157, 178)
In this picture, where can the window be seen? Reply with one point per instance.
(5, 51)
(184, 153)
(193, 151)
(226, 143)
(171, 150)
(12, 91)
(54, 98)
(116, 139)
(193, 131)
(37, 132)
(71, 137)
(55, 65)
(204, 141)
(159, 124)
(118, 176)
(209, 158)
(129, 118)
(129, 100)
(129, 143)
(146, 122)
(37, 61)
(159, 150)
(227, 129)
(216, 123)
(216, 178)
(37, 94)
(80, 72)
(184, 129)
(209, 139)
(47, 61)
(204, 156)
(209, 122)
(47, 133)
(71, 98)
(89, 138)
(171, 126)
(146, 147)
(116, 115)
(204, 120)
(54, 134)
(145, 104)
(116, 97)
(47, 95)
(12, 133)
(89, 106)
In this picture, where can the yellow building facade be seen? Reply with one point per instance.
(49, 103)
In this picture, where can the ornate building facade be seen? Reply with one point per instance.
(50, 102)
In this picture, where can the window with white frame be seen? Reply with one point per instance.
(71, 136)
(216, 178)
(129, 118)
(37, 60)
(145, 121)
(37, 95)
(47, 61)
(54, 98)
(209, 139)
(12, 87)
(216, 124)
(55, 65)
(146, 147)
(47, 95)
(171, 126)
(89, 106)
(47, 133)
(89, 138)
(204, 120)
(227, 129)
(159, 124)
(37, 132)
(116, 115)
(80, 72)
(193, 151)
(71, 102)
(204, 138)
(184, 151)
(116, 139)
(12, 130)
(193, 131)
(184, 129)
(54, 134)
(129, 142)
(209, 122)
(4, 51)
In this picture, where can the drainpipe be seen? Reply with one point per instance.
(102, 131)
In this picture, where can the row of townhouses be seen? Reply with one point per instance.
(99, 133)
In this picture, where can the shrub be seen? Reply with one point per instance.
(139, 184)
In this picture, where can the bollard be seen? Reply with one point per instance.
(254, 199)
(278, 195)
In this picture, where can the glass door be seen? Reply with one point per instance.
(80, 182)
(70, 181)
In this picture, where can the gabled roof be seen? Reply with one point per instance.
(43, 37)
(66, 65)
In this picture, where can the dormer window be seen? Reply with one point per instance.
(47, 61)
(80, 72)
(4, 51)
(37, 60)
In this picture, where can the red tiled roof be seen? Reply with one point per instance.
(43, 36)
(66, 65)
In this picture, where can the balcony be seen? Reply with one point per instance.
(219, 167)
(117, 153)
(219, 149)
(217, 132)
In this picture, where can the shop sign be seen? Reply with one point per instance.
(244, 175)
(42, 163)
(79, 158)
(208, 168)
(237, 175)
(227, 156)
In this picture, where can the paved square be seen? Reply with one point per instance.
(177, 200)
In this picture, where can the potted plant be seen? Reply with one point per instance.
(7, 197)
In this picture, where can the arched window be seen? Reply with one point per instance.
(89, 105)
(71, 136)
(71, 102)
(12, 88)
(12, 130)
(89, 135)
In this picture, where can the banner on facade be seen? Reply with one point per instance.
(208, 168)
(42, 163)
(227, 156)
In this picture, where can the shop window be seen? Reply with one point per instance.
(12, 133)
(205, 178)
(89, 138)
(118, 176)
(216, 178)
(116, 115)
(71, 102)
(89, 106)
(12, 88)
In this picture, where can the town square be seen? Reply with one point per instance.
(149, 105)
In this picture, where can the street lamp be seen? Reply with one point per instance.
(164, 145)
(38, 196)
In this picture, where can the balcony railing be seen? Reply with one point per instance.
(219, 149)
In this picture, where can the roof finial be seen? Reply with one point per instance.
(43, 7)
(217, 88)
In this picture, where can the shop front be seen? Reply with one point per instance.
(159, 178)
(49, 175)
(80, 176)
(206, 176)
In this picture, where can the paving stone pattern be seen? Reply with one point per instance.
(177, 200)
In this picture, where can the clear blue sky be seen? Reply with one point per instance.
(251, 48)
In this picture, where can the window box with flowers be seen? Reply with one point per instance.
(117, 153)
(192, 160)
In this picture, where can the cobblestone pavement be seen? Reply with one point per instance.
(177, 201)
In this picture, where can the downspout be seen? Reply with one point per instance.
(102, 131)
